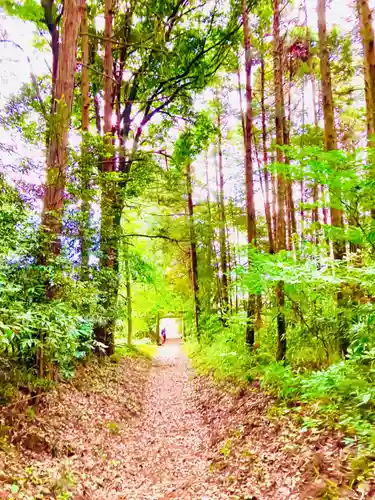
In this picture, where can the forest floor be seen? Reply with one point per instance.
(141, 430)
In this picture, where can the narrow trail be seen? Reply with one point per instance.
(125, 431)
(168, 447)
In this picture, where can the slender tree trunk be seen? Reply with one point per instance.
(241, 105)
(302, 187)
(218, 254)
(265, 157)
(291, 215)
(98, 121)
(193, 248)
(128, 294)
(274, 207)
(105, 333)
(314, 211)
(85, 166)
(51, 20)
(249, 181)
(281, 185)
(210, 237)
(331, 144)
(368, 43)
(329, 121)
(223, 241)
(315, 194)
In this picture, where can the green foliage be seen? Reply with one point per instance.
(193, 140)
(136, 350)
(340, 395)
(223, 352)
(27, 10)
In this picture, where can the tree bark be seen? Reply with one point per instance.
(128, 294)
(249, 181)
(57, 146)
(291, 215)
(193, 248)
(368, 43)
(281, 187)
(315, 194)
(85, 167)
(108, 245)
(267, 206)
(52, 22)
(223, 240)
(56, 162)
(210, 236)
(329, 120)
(331, 144)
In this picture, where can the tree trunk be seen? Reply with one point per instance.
(105, 333)
(56, 162)
(281, 191)
(223, 240)
(315, 194)
(85, 164)
(291, 215)
(210, 235)
(331, 144)
(274, 207)
(193, 248)
(57, 144)
(51, 20)
(267, 206)
(249, 182)
(128, 294)
(368, 43)
(329, 120)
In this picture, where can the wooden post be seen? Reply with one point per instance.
(182, 326)
(157, 336)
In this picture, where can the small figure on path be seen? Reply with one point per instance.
(163, 336)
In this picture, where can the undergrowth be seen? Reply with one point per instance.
(340, 396)
(135, 350)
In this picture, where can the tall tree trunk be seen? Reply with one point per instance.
(274, 207)
(52, 21)
(209, 237)
(315, 194)
(368, 43)
(249, 181)
(105, 333)
(85, 164)
(331, 144)
(223, 240)
(265, 156)
(281, 185)
(329, 120)
(128, 293)
(291, 215)
(57, 145)
(193, 248)
(56, 162)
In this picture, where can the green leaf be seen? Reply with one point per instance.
(14, 488)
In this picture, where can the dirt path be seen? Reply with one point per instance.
(126, 430)
(168, 447)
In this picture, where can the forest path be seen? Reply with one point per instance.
(129, 430)
(169, 445)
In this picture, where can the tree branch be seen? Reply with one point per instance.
(154, 236)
